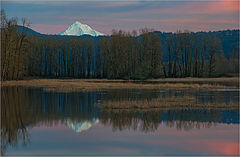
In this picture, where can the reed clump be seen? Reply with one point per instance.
(160, 103)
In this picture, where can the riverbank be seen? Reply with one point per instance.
(101, 84)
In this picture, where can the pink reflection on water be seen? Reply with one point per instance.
(224, 147)
(219, 139)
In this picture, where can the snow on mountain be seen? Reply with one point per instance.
(78, 29)
(79, 127)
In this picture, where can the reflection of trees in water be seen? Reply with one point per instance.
(188, 125)
(190, 119)
(62, 105)
(22, 108)
(129, 94)
(149, 120)
(121, 120)
(14, 117)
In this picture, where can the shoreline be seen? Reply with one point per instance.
(102, 84)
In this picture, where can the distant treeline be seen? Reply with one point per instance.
(123, 55)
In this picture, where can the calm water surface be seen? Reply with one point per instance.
(38, 122)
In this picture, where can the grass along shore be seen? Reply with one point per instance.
(100, 84)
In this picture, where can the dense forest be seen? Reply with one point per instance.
(122, 55)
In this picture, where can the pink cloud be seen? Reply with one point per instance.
(196, 23)
(83, 20)
(72, 18)
(197, 18)
(205, 7)
(115, 4)
(200, 19)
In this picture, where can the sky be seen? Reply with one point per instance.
(54, 16)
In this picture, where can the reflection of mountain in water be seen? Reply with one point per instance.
(81, 126)
(23, 108)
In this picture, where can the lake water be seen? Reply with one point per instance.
(39, 122)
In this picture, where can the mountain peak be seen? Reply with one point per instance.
(77, 22)
(78, 29)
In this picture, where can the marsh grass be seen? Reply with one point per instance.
(68, 85)
(160, 103)
(190, 79)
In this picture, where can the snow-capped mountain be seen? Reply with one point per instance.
(79, 127)
(78, 29)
